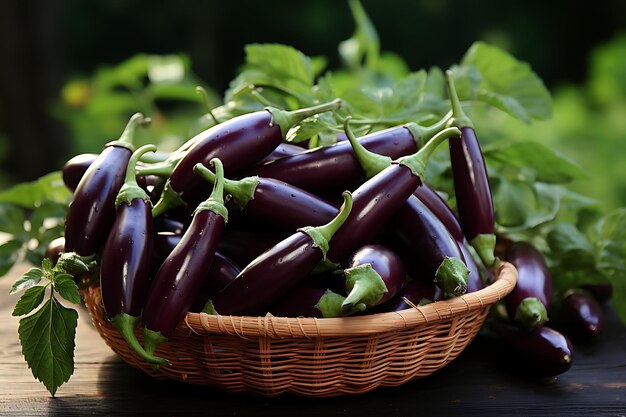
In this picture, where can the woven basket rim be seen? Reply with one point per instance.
(308, 327)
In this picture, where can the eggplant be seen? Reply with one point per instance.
(336, 167)
(475, 280)
(430, 241)
(91, 212)
(436, 204)
(275, 203)
(380, 197)
(541, 352)
(579, 316)
(183, 272)
(374, 274)
(223, 271)
(54, 250)
(239, 143)
(75, 168)
(125, 263)
(529, 302)
(244, 245)
(276, 271)
(471, 182)
(281, 151)
(417, 291)
(309, 301)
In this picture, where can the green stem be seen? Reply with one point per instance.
(364, 285)
(459, 118)
(126, 324)
(330, 305)
(321, 235)
(169, 200)
(287, 119)
(241, 190)
(215, 202)
(417, 162)
(128, 135)
(162, 169)
(531, 313)
(372, 163)
(205, 98)
(422, 134)
(151, 340)
(131, 190)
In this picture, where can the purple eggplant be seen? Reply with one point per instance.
(541, 352)
(276, 203)
(579, 316)
(223, 271)
(529, 302)
(378, 199)
(92, 211)
(440, 208)
(336, 166)
(282, 267)
(75, 168)
(54, 250)
(244, 245)
(374, 274)
(471, 183)
(125, 263)
(183, 272)
(281, 151)
(430, 242)
(418, 291)
(239, 143)
(475, 280)
(309, 301)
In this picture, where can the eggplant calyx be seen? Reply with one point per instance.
(485, 244)
(364, 285)
(152, 339)
(321, 235)
(126, 324)
(459, 118)
(285, 119)
(422, 134)
(330, 304)
(372, 163)
(531, 313)
(128, 135)
(209, 309)
(131, 190)
(417, 161)
(170, 199)
(242, 191)
(451, 276)
(215, 202)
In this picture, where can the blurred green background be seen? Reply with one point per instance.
(72, 72)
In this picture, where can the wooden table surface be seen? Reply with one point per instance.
(477, 383)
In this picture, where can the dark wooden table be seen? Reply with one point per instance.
(477, 383)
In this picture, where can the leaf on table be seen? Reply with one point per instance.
(64, 284)
(30, 300)
(48, 340)
(31, 278)
(508, 84)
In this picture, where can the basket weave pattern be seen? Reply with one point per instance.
(314, 357)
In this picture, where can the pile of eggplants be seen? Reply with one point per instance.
(239, 222)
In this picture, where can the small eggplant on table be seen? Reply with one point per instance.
(183, 272)
(578, 315)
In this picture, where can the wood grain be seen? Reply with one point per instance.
(479, 382)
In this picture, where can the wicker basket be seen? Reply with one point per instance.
(315, 357)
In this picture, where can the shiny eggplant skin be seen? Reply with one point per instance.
(440, 208)
(181, 275)
(474, 277)
(239, 143)
(242, 245)
(299, 302)
(125, 263)
(421, 230)
(579, 316)
(75, 168)
(92, 211)
(283, 206)
(223, 271)
(269, 276)
(283, 150)
(374, 204)
(542, 352)
(55, 249)
(336, 166)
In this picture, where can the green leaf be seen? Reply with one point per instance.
(64, 284)
(508, 84)
(50, 187)
(30, 300)
(11, 219)
(513, 201)
(549, 166)
(9, 254)
(31, 278)
(48, 340)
